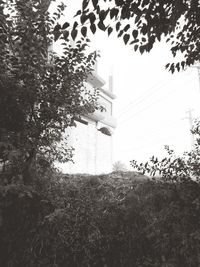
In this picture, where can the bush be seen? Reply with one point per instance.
(100, 221)
(21, 211)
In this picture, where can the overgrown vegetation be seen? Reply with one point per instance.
(123, 219)
(108, 220)
(175, 168)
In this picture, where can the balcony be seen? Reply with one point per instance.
(98, 116)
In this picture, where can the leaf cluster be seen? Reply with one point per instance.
(175, 168)
(142, 23)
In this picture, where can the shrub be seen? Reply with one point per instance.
(100, 221)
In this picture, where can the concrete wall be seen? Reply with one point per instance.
(93, 150)
(104, 153)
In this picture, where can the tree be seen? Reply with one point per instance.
(119, 166)
(175, 168)
(41, 93)
(144, 22)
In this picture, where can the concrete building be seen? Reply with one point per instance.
(92, 137)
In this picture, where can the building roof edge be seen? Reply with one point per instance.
(108, 93)
(95, 80)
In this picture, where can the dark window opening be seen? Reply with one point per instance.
(105, 131)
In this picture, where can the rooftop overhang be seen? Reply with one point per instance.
(95, 80)
(97, 116)
(109, 121)
(108, 93)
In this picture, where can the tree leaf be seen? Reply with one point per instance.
(103, 14)
(84, 31)
(97, 9)
(75, 25)
(66, 34)
(119, 2)
(167, 65)
(78, 13)
(118, 26)
(92, 18)
(65, 25)
(148, 47)
(144, 29)
(178, 67)
(135, 33)
(85, 4)
(57, 27)
(145, 3)
(56, 35)
(134, 41)
(137, 19)
(172, 68)
(114, 12)
(126, 38)
(126, 27)
(183, 64)
(83, 18)
(94, 2)
(120, 33)
(74, 33)
(101, 25)
(110, 29)
(141, 49)
(125, 12)
(135, 47)
(93, 28)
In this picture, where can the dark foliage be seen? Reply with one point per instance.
(101, 221)
(142, 23)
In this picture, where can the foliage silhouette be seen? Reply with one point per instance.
(142, 23)
(41, 93)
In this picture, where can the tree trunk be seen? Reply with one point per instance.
(30, 169)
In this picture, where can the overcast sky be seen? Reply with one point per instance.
(152, 104)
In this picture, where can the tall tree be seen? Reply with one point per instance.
(41, 93)
(142, 23)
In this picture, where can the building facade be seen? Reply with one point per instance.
(92, 138)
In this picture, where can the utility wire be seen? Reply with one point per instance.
(156, 133)
(141, 97)
(148, 106)
(158, 141)
(146, 95)
(142, 110)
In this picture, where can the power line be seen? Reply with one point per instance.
(157, 141)
(132, 104)
(148, 93)
(148, 106)
(157, 133)
(142, 110)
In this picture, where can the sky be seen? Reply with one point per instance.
(152, 105)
